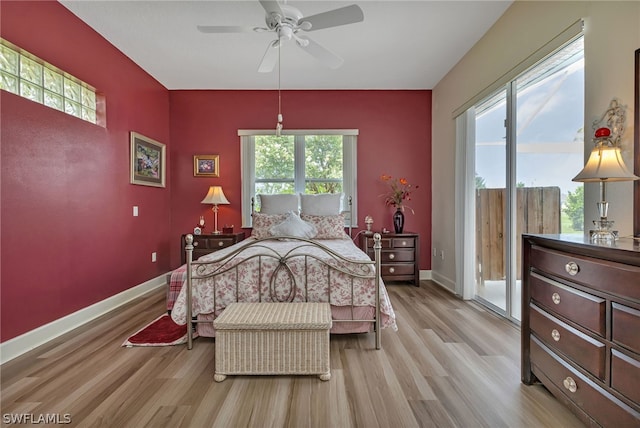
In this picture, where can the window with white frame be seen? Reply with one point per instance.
(28, 76)
(309, 161)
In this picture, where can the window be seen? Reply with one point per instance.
(322, 161)
(26, 75)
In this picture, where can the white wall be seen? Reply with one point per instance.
(612, 34)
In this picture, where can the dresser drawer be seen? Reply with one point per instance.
(575, 305)
(589, 353)
(608, 276)
(625, 375)
(625, 327)
(603, 407)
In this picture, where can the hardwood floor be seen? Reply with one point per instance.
(450, 364)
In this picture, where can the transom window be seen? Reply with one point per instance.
(28, 76)
(321, 161)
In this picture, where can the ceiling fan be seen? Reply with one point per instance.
(287, 21)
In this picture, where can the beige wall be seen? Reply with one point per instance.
(612, 34)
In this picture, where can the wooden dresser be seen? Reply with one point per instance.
(399, 256)
(581, 325)
(205, 244)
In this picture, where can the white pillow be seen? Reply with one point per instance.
(278, 204)
(294, 226)
(321, 204)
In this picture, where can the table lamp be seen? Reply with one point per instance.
(216, 197)
(605, 164)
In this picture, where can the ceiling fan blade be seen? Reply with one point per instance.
(322, 54)
(271, 7)
(333, 18)
(270, 57)
(223, 29)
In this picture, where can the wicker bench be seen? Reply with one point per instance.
(273, 339)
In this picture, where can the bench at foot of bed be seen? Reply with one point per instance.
(273, 339)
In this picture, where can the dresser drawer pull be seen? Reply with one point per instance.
(195, 244)
(572, 268)
(391, 270)
(220, 244)
(404, 243)
(570, 384)
(556, 298)
(555, 334)
(392, 256)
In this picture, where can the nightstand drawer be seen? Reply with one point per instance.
(587, 395)
(575, 305)
(584, 350)
(207, 244)
(395, 256)
(405, 242)
(397, 269)
(213, 243)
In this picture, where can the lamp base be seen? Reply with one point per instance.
(603, 232)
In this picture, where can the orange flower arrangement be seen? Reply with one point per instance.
(400, 192)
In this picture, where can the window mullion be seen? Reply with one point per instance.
(299, 164)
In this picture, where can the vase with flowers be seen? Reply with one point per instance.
(399, 192)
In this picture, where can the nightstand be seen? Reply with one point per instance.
(399, 256)
(208, 243)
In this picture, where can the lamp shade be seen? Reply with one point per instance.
(215, 196)
(605, 164)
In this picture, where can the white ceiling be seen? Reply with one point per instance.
(399, 45)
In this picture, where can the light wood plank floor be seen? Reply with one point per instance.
(450, 364)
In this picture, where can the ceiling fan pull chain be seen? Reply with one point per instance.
(279, 124)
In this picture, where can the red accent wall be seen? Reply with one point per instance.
(69, 238)
(395, 139)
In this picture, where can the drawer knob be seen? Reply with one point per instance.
(555, 334)
(404, 243)
(392, 256)
(572, 268)
(570, 384)
(392, 270)
(556, 298)
(220, 244)
(195, 244)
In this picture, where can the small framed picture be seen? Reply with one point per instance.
(148, 161)
(206, 166)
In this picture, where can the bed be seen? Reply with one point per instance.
(281, 262)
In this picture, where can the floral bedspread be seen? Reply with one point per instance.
(289, 271)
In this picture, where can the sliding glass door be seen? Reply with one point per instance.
(528, 146)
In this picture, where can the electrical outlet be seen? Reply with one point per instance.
(154, 257)
(442, 254)
(135, 211)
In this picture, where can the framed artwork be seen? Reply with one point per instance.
(148, 161)
(636, 147)
(206, 166)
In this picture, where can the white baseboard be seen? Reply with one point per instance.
(444, 282)
(17, 346)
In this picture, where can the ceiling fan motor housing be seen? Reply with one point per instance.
(290, 18)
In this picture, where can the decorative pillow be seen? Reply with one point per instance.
(262, 223)
(294, 226)
(321, 204)
(328, 226)
(278, 204)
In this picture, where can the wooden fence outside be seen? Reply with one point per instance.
(538, 211)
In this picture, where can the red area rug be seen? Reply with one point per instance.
(160, 332)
